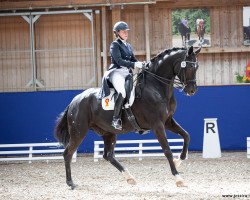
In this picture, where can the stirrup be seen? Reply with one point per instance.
(117, 124)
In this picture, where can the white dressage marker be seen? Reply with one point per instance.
(211, 141)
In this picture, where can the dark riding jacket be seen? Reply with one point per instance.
(121, 55)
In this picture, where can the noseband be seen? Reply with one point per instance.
(182, 69)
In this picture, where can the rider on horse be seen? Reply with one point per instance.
(122, 60)
(199, 23)
(184, 21)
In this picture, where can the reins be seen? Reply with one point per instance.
(179, 84)
(159, 78)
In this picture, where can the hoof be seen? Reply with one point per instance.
(179, 181)
(180, 184)
(129, 178)
(177, 162)
(71, 184)
(131, 181)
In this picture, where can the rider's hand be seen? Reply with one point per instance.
(139, 64)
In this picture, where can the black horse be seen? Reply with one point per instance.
(185, 33)
(153, 111)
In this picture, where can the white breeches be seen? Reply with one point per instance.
(117, 78)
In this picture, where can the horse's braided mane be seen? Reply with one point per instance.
(165, 52)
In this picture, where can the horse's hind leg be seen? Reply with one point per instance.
(75, 140)
(174, 127)
(109, 145)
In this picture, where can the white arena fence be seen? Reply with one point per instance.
(248, 147)
(32, 151)
(138, 148)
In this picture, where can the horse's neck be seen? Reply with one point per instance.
(165, 66)
(164, 91)
(163, 77)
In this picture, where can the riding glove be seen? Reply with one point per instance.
(138, 64)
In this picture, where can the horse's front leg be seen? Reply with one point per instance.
(108, 154)
(159, 131)
(174, 127)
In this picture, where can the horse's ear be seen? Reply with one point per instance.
(190, 50)
(197, 51)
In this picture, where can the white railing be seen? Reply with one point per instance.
(143, 148)
(248, 147)
(26, 152)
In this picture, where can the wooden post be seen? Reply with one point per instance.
(116, 16)
(146, 17)
(104, 39)
(98, 46)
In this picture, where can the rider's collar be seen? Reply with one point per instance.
(124, 42)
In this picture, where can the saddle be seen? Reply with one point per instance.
(108, 102)
(108, 96)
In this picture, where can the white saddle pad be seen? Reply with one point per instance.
(108, 103)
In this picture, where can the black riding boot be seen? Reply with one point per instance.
(117, 123)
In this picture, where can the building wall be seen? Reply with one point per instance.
(218, 63)
(221, 68)
(63, 50)
(64, 54)
(15, 63)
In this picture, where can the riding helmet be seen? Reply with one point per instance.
(120, 26)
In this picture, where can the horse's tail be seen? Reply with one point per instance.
(61, 131)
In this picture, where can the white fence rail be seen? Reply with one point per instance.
(32, 151)
(248, 147)
(143, 148)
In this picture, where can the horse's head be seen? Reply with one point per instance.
(180, 62)
(187, 68)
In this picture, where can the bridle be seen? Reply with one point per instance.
(178, 83)
(183, 82)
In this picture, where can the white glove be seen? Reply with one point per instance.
(138, 64)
